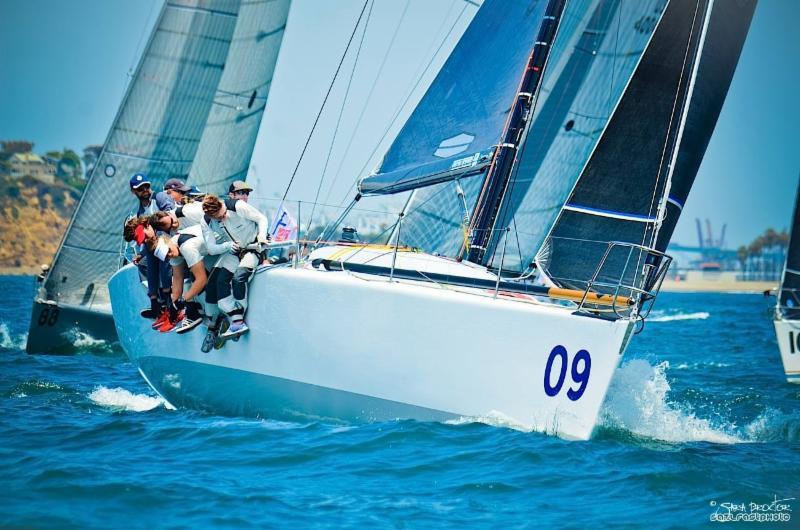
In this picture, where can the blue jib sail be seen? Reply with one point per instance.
(461, 117)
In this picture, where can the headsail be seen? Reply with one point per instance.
(156, 131)
(789, 296)
(598, 45)
(590, 69)
(454, 128)
(230, 134)
(621, 195)
(725, 35)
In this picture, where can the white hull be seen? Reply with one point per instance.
(357, 348)
(788, 333)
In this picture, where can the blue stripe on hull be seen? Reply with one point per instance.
(234, 392)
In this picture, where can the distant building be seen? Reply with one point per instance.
(90, 155)
(31, 165)
(11, 147)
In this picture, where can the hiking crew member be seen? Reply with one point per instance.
(241, 229)
(178, 219)
(156, 272)
(177, 190)
(239, 191)
(184, 249)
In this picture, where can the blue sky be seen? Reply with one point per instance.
(64, 66)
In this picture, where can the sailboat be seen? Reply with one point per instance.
(195, 101)
(787, 311)
(464, 309)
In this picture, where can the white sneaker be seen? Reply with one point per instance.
(188, 325)
(236, 328)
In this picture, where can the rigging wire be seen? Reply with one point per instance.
(322, 107)
(405, 101)
(339, 119)
(137, 53)
(368, 99)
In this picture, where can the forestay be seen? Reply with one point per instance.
(598, 44)
(619, 194)
(726, 31)
(157, 131)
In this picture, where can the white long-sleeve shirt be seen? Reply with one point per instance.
(188, 214)
(242, 223)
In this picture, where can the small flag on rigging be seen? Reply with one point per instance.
(284, 226)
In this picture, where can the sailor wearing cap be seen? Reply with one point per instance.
(239, 190)
(177, 189)
(158, 273)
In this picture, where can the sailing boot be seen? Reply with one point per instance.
(176, 314)
(211, 335)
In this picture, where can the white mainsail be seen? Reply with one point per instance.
(195, 101)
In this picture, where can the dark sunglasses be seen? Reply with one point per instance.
(241, 192)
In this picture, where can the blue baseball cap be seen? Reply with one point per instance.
(194, 192)
(139, 179)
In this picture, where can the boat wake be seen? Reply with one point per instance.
(492, 418)
(774, 426)
(637, 403)
(9, 341)
(34, 387)
(120, 399)
(662, 317)
(81, 342)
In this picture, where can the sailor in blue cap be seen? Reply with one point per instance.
(158, 273)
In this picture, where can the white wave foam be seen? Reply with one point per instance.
(82, 340)
(121, 399)
(774, 425)
(492, 418)
(707, 364)
(701, 315)
(637, 402)
(9, 341)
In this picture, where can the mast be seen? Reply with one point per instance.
(499, 174)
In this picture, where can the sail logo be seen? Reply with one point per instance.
(453, 146)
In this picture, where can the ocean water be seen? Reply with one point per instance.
(699, 423)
